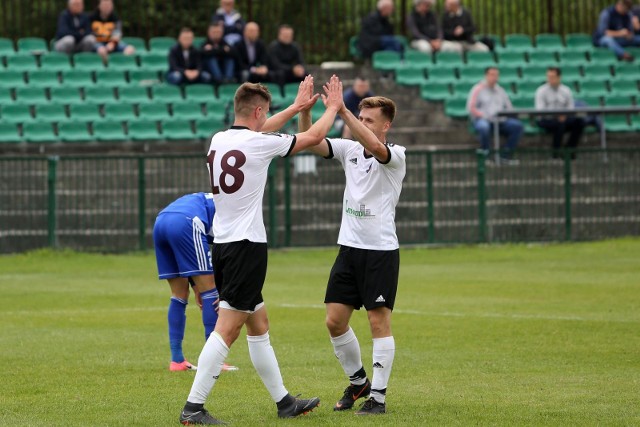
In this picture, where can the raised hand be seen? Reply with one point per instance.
(333, 94)
(305, 97)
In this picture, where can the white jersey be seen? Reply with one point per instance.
(238, 161)
(370, 196)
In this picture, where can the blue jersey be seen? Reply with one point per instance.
(181, 236)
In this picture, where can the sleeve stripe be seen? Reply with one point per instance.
(330, 156)
(293, 143)
(386, 162)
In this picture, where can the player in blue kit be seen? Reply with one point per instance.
(181, 235)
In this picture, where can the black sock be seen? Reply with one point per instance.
(286, 401)
(193, 407)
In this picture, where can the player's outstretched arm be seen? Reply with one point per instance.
(304, 100)
(313, 138)
(364, 136)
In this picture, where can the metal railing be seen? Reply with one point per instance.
(109, 203)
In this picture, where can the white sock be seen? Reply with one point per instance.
(264, 360)
(347, 350)
(214, 352)
(383, 351)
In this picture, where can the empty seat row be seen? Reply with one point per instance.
(30, 45)
(87, 61)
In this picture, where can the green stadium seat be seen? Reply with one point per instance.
(32, 45)
(595, 87)
(527, 88)
(217, 109)
(571, 74)
(472, 74)
(597, 71)
(134, 94)
(496, 39)
(627, 70)
(535, 73)
(155, 111)
(31, 95)
(52, 113)
(87, 112)
(523, 101)
(386, 60)
(509, 75)
(22, 63)
(138, 43)
(511, 59)
(617, 123)
(274, 89)
(546, 42)
(55, 61)
(449, 59)
(121, 62)
(66, 95)
(5, 96)
(462, 88)
(155, 62)
(201, 93)
(570, 57)
(78, 78)
(16, 113)
(456, 108)
(74, 132)
(544, 59)
(353, 48)
(227, 91)
(624, 87)
(603, 56)
(517, 43)
(87, 61)
(317, 111)
(205, 128)
(161, 44)
(635, 122)
(12, 79)
(166, 93)
(579, 42)
(417, 59)
(615, 100)
(122, 112)
(290, 91)
(177, 129)
(143, 78)
(481, 59)
(144, 130)
(109, 130)
(43, 79)
(590, 100)
(443, 75)
(6, 47)
(198, 40)
(187, 110)
(39, 132)
(410, 76)
(9, 133)
(111, 78)
(435, 92)
(100, 95)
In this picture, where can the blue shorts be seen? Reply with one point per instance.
(181, 246)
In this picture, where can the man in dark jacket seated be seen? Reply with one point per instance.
(185, 64)
(459, 29)
(285, 57)
(74, 30)
(376, 31)
(251, 56)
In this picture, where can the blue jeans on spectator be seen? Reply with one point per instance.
(178, 78)
(511, 128)
(617, 44)
(221, 69)
(390, 43)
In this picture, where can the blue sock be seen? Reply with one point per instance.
(177, 321)
(209, 314)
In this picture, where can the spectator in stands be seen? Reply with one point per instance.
(485, 100)
(217, 56)
(554, 95)
(285, 57)
(185, 64)
(615, 29)
(352, 97)
(425, 29)
(251, 56)
(107, 29)
(231, 20)
(376, 31)
(459, 29)
(74, 30)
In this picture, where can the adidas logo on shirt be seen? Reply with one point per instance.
(354, 160)
(380, 299)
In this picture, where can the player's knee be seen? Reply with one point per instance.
(336, 326)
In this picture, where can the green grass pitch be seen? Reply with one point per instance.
(485, 335)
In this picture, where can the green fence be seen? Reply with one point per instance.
(109, 203)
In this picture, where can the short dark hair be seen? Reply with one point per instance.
(387, 106)
(246, 96)
(556, 70)
(489, 68)
(185, 30)
(284, 27)
(627, 3)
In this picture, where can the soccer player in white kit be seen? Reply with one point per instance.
(238, 160)
(365, 272)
